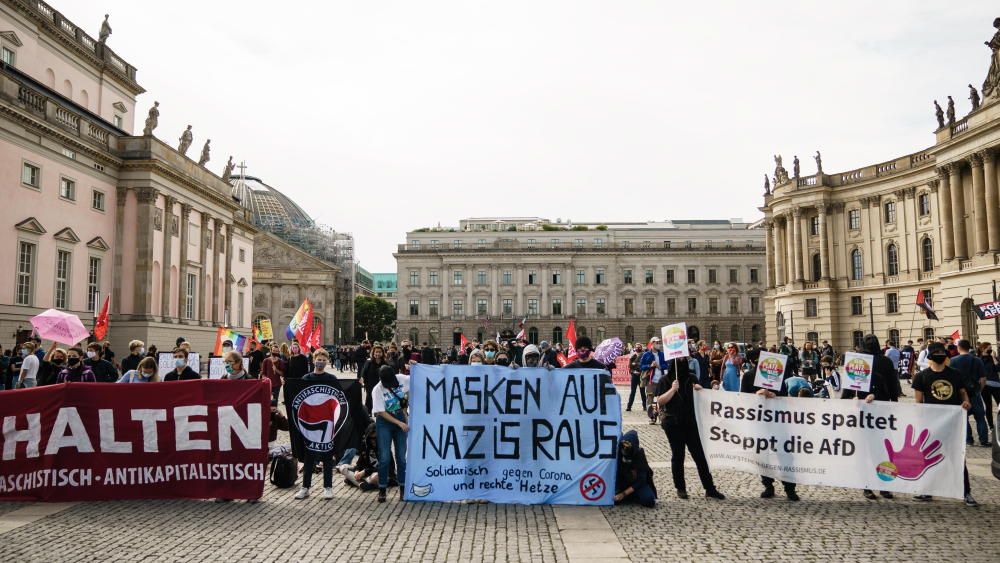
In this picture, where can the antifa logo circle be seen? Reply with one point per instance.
(320, 413)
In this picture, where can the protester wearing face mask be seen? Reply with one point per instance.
(182, 371)
(136, 352)
(104, 370)
(584, 358)
(75, 370)
(652, 365)
(502, 359)
(274, 370)
(321, 359)
(233, 364)
(29, 367)
(53, 362)
(368, 374)
(477, 358)
(881, 387)
(390, 411)
(145, 372)
(299, 364)
(490, 349)
(531, 357)
(634, 479)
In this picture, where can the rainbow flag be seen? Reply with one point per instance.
(222, 334)
(301, 325)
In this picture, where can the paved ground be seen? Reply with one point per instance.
(828, 524)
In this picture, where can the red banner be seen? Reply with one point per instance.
(100, 441)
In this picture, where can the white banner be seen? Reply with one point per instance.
(905, 448)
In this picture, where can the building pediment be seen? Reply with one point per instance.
(11, 37)
(98, 243)
(31, 225)
(120, 107)
(67, 235)
(272, 253)
(242, 282)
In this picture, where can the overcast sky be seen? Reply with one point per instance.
(382, 117)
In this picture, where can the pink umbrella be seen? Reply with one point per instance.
(61, 327)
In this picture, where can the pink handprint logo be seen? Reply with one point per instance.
(912, 460)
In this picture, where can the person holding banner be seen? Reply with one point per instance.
(145, 372)
(675, 397)
(747, 385)
(182, 371)
(389, 404)
(941, 384)
(584, 359)
(881, 388)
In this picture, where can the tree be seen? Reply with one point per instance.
(374, 316)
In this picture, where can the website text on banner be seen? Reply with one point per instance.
(94, 441)
(917, 449)
(525, 436)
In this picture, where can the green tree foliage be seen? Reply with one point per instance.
(374, 316)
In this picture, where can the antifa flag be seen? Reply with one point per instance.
(326, 417)
(987, 311)
(925, 305)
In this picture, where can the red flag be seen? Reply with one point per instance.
(316, 338)
(571, 339)
(101, 323)
(956, 335)
(463, 342)
(520, 334)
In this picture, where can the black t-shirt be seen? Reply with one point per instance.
(589, 364)
(681, 406)
(185, 375)
(940, 388)
(256, 359)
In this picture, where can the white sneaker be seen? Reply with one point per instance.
(328, 493)
(303, 493)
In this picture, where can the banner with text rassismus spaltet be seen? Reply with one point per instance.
(525, 436)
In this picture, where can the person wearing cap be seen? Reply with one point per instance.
(584, 355)
(941, 384)
(548, 354)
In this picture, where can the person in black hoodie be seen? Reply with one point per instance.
(181, 371)
(136, 351)
(104, 370)
(299, 364)
(747, 386)
(675, 396)
(427, 355)
(884, 387)
(584, 358)
(634, 481)
(368, 374)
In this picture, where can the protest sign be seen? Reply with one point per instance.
(266, 332)
(216, 368)
(92, 441)
(906, 448)
(675, 341)
(525, 436)
(621, 375)
(165, 363)
(858, 371)
(770, 371)
(987, 311)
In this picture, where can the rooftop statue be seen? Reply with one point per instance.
(819, 163)
(227, 172)
(991, 86)
(105, 31)
(795, 167)
(767, 185)
(939, 114)
(152, 120)
(973, 97)
(185, 141)
(950, 112)
(204, 153)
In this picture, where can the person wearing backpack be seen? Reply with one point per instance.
(389, 406)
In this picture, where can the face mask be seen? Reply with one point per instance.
(584, 354)
(320, 365)
(91, 354)
(58, 361)
(531, 361)
(226, 350)
(657, 346)
(141, 351)
(275, 354)
(490, 354)
(476, 363)
(938, 358)
(148, 375)
(179, 362)
(229, 369)
(503, 362)
(73, 360)
(24, 352)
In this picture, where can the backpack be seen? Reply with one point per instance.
(283, 472)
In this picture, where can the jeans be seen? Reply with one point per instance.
(28, 383)
(348, 456)
(636, 382)
(388, 435)
(310, 464)
(683, 435)
(978, 411)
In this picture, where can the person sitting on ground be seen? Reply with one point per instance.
(145, 372)
(364, 474)
(634, 480)
(278, 422)
(182, 371)
(75, 370)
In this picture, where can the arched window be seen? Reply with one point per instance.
(927, 254)
(755, 333)
(694, 333)
(435, 336)
(857, 336)
(481, 334)
(415, 336)
(533, 335)
(779, 321)
(629, 334)
(602, 334)
(456, 336)
(892, 260)
(557, 334)
(894, 336)
(817, 269)
(713, 333)
(734, 333)
(856, 268)
(581, 331)
(650, 332)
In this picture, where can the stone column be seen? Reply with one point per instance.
(824, 259)
(568, 274)
(182, 271)
(779, 248)
(470, 304)
(520, 308)
(806, 258)
(330, 324)
(992, 199)
(876, 250)
(797, 244)
(494, 290)
(979, 202)
(770, 251)
(958, 211)
(445, 278)
(904, 203)
(216, 268)
(142, 290)
(543, 307)
(837, 210)
(121, 194)
(206, 279)
(275, 305)
(945, 215)
(168, 241)
(227, 286)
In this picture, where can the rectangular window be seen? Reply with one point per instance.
(890, 212)
(626, 244)
(243, 255)
(557, 306)
(456, 277)
(691, 277)
(649, 276)
(556, 277)
(581, 307)
(666, 245)
(814, 226)
(578, 243)
(927, 296)
(810, 307)
(891, 303)
(456, 243)
(856, 308)
(118, 121)
(755, 304)
(854, 219)
(456, 308)
(713, 276)
(25, 273)
(754, 275)
(713, 305)
(555, 243)
(414, 307)
(627, 277)
(69, 153)
(598, 243)
(599, 276)
(629, 307)
(481, 277)
(30, 175)
(432, 278)
(414, 245)
(240, 301)
(508, 306)
(533, 307)
(531, 243)
(734, 275)
(434, 243)
(670, 276)
(67, 189)
(650, 306)
(414, 278)
(532, 277)
(481, 243)
(63, 259)
(93, 283)
(924, 204)
(734, 305)
(692, 305)
(480, 306)
(602, 306)
(581, 277)
(7, 56)
(508, 277)
(189, 294)
(432, 308)
(671, 306)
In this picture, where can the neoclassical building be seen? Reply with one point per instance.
(616, 279)
(849, 251)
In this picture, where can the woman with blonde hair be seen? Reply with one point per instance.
(145, 372)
